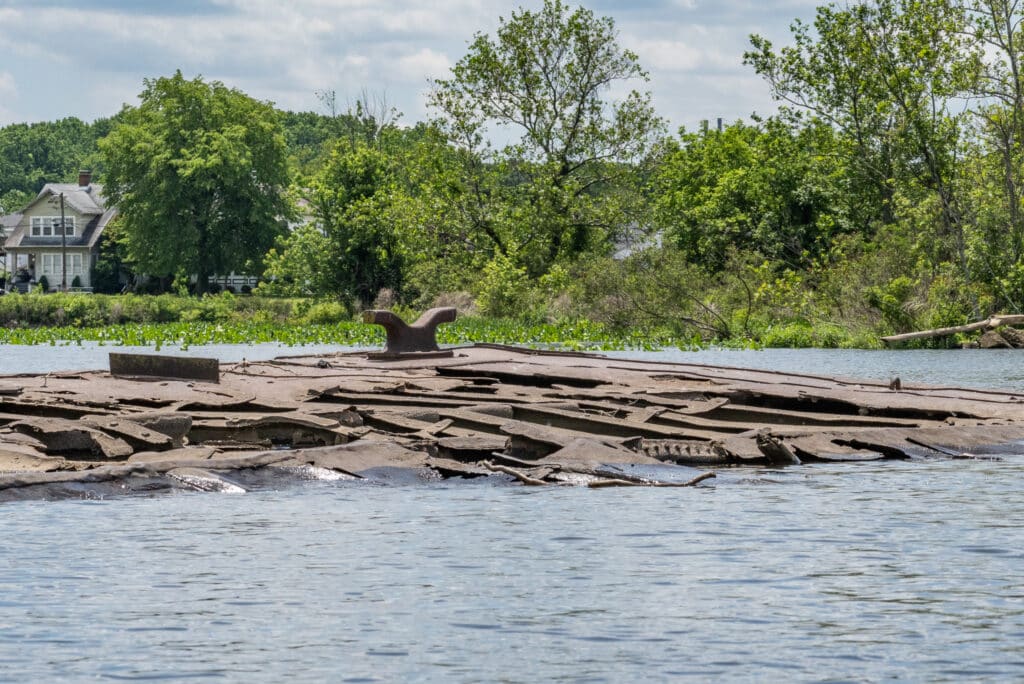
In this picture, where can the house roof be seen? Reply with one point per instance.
(86, 200)
(8, 222)
(93, 232)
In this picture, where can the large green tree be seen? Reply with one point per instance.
(198, 171)
(564, 184)
(889, 76)
(32, 155)
(354, 245)
(996, 167)
(768, 187)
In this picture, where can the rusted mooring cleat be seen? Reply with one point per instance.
(403, 338)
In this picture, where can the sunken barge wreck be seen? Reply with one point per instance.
(417, 413)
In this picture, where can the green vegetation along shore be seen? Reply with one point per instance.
(884, 196)
(157, 320)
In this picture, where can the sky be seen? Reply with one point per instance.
(86, 58)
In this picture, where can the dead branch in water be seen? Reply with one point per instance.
(987, 324)
(616, 482)
(518, 474)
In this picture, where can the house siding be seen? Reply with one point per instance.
(48, 264)
(51, 207)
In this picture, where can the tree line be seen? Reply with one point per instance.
(885, 194)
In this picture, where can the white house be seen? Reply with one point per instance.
(35, 233)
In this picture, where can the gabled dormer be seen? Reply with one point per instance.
(84, 215)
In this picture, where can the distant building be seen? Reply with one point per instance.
(35, 245)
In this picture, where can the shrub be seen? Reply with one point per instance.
(798, 335)
(326, 313)
(504, 288)
(98, 309)
(893, 301)
(212, 308)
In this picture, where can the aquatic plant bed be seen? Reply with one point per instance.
(510, 415)
(578, 336)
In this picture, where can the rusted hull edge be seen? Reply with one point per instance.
(513, 416)
(164, 366)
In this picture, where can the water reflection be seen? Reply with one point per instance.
(836, 575)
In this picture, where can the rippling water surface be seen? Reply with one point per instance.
(853, 572)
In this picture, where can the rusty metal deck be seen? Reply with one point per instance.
(485, 410)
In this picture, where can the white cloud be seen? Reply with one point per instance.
(423, 64)
(668, 55)
(8, 86)
(284, 51)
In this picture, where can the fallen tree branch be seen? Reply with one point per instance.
(987, 324)
(600, 484)
(616, 482)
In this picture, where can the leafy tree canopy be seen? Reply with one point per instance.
(198, 171)
(544, 79)
(888, 75)
(32, 155)
(766, 187)
(354, 245)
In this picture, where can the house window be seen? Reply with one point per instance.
(49, 226)
(51, 266)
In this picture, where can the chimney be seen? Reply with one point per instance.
(84, 178)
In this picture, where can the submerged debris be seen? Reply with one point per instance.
(486, 411)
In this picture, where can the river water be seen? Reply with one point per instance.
(825, 572)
